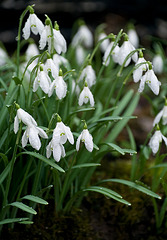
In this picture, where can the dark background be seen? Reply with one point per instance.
(149, 18)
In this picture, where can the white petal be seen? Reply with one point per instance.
(57, 151)
(35, 84)
(34, 138)
(78, 142)
(26, 29)
(48, 150)
(158, 117)
(44, 82)
(43, 39)
(42, 133)
(61, 87)
(51, 88)
(88, 140)
(24, 139)
(16, 124)
(165, 139)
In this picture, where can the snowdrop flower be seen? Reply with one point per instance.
(86, 138)
(3, 56)
(46, 38)
(57, 149)
(23, 116)
(113, 54)
(124, 51)
(155, 140)
(157, 64)
(138, 72)
(59, 42)
(83, 37)
(33, 24)
(150, 78)
(50, 66)
(86, 96)
(42, 80)
(80, 54)
(133, 37)
(104, 44)
(75, 87)
(59, 86)
(62, 133)
(162, 114)
(31, 51)
(31, 133)
(89, 75)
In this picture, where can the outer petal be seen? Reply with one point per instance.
(39, 24)
(158, 117)
(35, 84)
(34, 138)
(43, 39)
(59, 42)
(142, 84)
(44, 82)
(69, 134)
(61, 87)
(26, 29)
(24, 139)
(42, 133)
(78, 142)
(16, 124)
(165, 139)
(51, 88)
(88, 140)
(81, 98)
(57, 152)
(48, 150)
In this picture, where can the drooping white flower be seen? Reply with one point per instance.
(113, 54)
(31, 51)
(133, 37)
(57, 149)
(162, 114)
(33, 24)
(104, 44)
(155, 140)
(59, 42)
(157, 64)
(138, 72)
(42, 80)
(3, 56)
(75, 87)
(80, 54)
(88, 74)
(32, 134)
(59, 86)
(59, 60)
(124, 51)
(87, 139)
(50, 66)
(62, 133)
(23, 116)
(83, 36)
(86, 96)
(150, 78)
(46, 38)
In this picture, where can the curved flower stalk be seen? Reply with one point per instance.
(158, 64)
(83, 36)
(59, 86)
(86, 138)
(42, 80)
(137, 73)
(133, 37)
(124, 51)
(150, 78)
(113, 54)
(86, 96)
(32, 131)
(155, 141)
(105, 43)
(33, 24)
(88, 73)
(162, 114)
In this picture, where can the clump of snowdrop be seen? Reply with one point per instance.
(156, 139)
(86, 96)
(61, 134)
(32, 131)
(86, 138)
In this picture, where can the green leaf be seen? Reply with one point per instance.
(82, 110)
(12, 220)
(120, 150)
(35, 199)
(133, 185)
(110, 118)
(44, 159)
(107, 192)
(23, 207)
(5, 172)
(86, 165)
(26, 222)
(17, 80)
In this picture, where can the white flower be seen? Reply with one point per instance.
(83, 37)
(59, 60)
(133, 37)
(25, 117)
(42, 80)
(124, 51)
(31, 51)
(155, 141)
(86, 96)
(75, 87)
(50, 66)
(31, 134)
(60, 87)
(3, 57)
(88, 74)
(113, 54)
(60, 44)
(157, 64)
(57, 149)
(162, 114)
(137, 73)
(34, 24)
(80, 54)
(152, 81)
(62, 133)
(46, 38)
(87, 139)
(104, 44)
